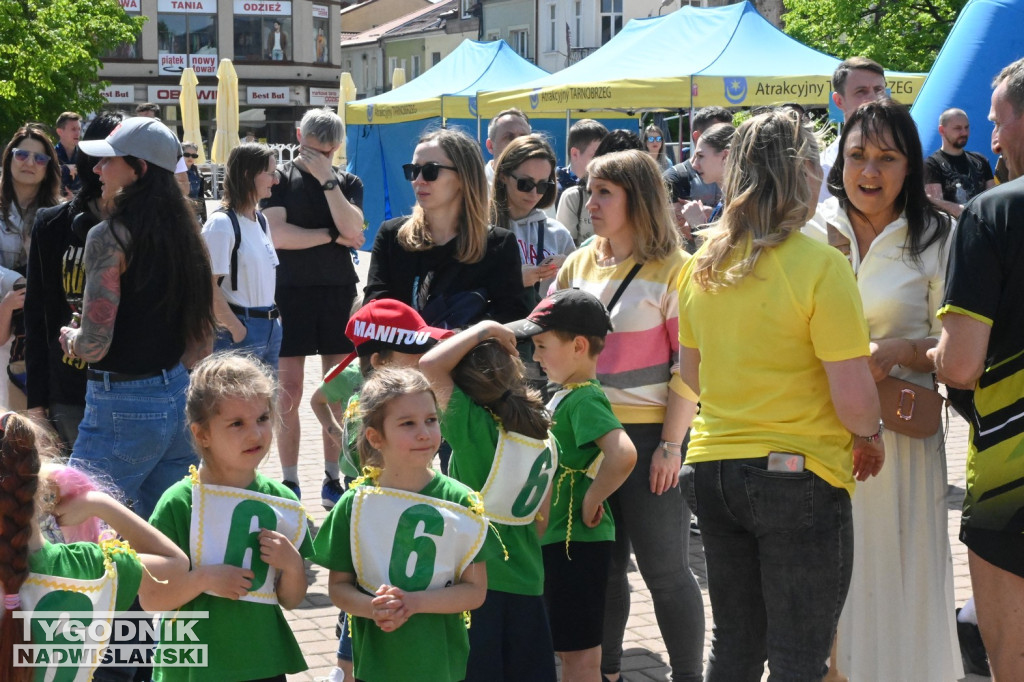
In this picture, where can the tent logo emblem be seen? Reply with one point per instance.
(472, 106)
(369, 113)
(735, 89)
(535, 98)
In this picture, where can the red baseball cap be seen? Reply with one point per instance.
(387, 324)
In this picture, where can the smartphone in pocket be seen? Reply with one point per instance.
(789, 462)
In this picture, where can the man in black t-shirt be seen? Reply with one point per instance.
(982, 349)
(952, 175)
(315, 216)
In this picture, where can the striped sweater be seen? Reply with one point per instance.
(640, 361)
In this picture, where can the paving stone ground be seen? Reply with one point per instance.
(645, 658)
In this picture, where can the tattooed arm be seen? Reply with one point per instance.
(104, 262)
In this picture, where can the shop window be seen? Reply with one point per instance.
(266, 38)
(322, 29)
(611, 19)
(187, 40)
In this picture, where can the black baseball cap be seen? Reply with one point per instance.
(570, 310)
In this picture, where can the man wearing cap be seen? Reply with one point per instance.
(147, 277)
(315, 217)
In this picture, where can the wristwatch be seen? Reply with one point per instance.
(875, 437)
(329, 185)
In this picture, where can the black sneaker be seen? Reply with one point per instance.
(972, 649)
(331, 492)
(293, 486)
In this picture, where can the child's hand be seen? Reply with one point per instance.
(593, 510)
(389, 608)
(230, 582)
(276, 550)
(75, 510)
(489, 329)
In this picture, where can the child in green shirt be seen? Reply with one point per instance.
(568, 330)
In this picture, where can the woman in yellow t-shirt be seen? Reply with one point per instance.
(773, 337)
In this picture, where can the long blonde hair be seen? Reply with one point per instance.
(647, 207)
(471, 239)
(766, 196)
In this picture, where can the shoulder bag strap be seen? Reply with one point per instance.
(622, 287)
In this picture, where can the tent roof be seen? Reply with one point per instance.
(473, 66)
(729, 56)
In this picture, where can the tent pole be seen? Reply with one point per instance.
(568, 124)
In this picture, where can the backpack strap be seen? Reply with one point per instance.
(238, 240)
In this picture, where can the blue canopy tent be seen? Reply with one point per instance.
(382, 131)
(986, 37)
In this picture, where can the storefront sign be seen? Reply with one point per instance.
(204, 64)
(169, 94)
(131, 5)
(323, 97)
(267, 95)
(187, 6)
(319, 12)
(119, 94)
(264, 7)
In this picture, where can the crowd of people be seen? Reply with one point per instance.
(605, 358)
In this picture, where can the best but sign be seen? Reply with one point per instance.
(267, 95)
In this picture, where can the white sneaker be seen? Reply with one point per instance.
(337, 675)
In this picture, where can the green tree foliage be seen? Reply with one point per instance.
(901, 35)
(49, 56)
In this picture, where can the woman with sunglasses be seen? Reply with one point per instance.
(196, 181)
(632, 266)
(30, 180)
(655, 141)
(524, 185)
(444, 260)
(56, 285)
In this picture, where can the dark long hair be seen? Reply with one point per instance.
(161, 226)
(926, 225)
(48, 193)
(92, 188)
(19, 481)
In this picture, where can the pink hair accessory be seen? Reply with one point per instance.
(12, 601)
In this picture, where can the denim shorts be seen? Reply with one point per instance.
(262, 339)
(134, 435)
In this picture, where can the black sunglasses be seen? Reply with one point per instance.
(190, 156)
(654, 138)
(430, 170)
(527, 185)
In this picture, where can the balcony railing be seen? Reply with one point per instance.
(578, 53)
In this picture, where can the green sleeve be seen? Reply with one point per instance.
(341, 386)
(332, 545)
(173, 514)
(473, 435)
(590, 416)
(129, 578)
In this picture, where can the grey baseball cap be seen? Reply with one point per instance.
(144, 138)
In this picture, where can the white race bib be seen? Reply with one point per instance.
(48, 594)
(432, 541)
(520, 478)
(226, 524)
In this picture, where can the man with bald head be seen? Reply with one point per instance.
(953, 175)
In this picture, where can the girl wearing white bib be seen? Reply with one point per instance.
(497, 426)
(37, 577)
(404, 542)
(244, 533)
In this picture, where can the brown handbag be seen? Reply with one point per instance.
(908, 408)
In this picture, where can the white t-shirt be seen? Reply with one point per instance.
(257, 260)
(828, 159)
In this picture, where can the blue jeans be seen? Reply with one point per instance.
(657, 529)
(134, 435)
(779, 551)
(262, 339)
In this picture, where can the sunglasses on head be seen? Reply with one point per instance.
(189, 155)
(24, 155)
(654, 138)
(527, 185)
(430, 170)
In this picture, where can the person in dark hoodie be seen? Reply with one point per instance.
(56, 280)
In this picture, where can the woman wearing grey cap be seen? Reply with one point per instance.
(147, 312)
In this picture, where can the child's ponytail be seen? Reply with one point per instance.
(494, 379)
(19, 481)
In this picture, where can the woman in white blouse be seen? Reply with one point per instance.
(898, 620)
(243, 259)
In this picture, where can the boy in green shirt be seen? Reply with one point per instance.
(568, 330)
